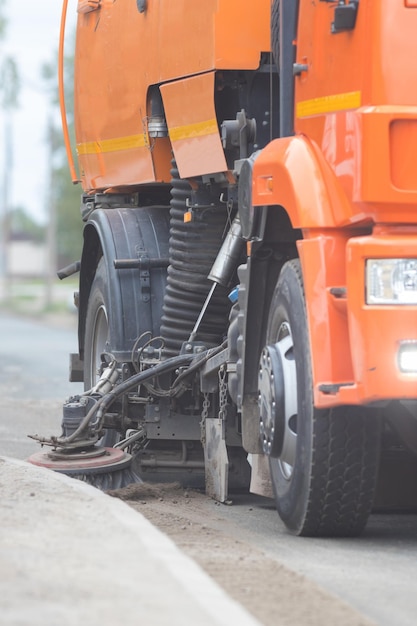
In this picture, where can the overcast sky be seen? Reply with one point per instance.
(32, 38)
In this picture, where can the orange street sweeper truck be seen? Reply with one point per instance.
(248, 282)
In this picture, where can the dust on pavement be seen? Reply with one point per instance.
(270, 591)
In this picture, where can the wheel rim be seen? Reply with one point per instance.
(99, 344)
(285, 346)
(100, 337)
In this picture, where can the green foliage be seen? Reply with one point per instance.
(65, 196)
(22, 223)
(10, 84)
(2, 20)
(67, 199)
(9, 75)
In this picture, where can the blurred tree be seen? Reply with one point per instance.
(2, 20)
(64, 196)
(9, 90)
(22, 223)
(10, 84)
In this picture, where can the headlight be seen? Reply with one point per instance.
(407, 357)
(391, 281)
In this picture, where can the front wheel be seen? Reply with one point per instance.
(323, 463)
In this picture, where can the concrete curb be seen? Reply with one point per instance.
(71, 553)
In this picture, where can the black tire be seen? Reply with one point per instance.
(96, 337)
(324, 478)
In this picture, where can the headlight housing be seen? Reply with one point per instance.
(391, 281)
(407, 357)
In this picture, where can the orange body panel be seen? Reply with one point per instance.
(192, 125)
(170, 41)
(291, 172)
(350, 166)
(323, 262)
(376, 331)
(358, 102)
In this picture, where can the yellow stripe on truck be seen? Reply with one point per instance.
(329, 104)
(111, 145)
(199, 129)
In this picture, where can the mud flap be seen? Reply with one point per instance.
(216, 459)
(260, 477)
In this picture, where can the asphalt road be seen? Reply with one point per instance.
(34, 365)
(376, 573)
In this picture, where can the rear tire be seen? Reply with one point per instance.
(324, 471)
(96, 337)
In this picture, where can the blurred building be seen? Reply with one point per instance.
(26, 257)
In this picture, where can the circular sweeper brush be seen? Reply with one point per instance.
(104, 468)
(75, 452)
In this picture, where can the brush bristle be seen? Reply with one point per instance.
(110, 480)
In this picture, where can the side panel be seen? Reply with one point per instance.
(357, 100)
(192, 124)
(110, 95)
(242, 31)
(322, 257)
(120, 53)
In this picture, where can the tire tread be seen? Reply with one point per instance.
(343, 473)
(332, 488)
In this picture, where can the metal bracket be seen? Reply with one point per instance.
(299, 68)
(142, 5)
(145, 279)
(215, 450)
(216, 459)
(344, 16)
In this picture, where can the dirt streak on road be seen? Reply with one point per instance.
(269, 590)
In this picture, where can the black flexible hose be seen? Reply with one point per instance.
(202, 358)
(103, 404)
(193, 247)
(136, 379)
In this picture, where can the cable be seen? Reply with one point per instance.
(105, 402)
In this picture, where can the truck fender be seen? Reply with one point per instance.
(291, 180)
(292, 172)
(138, 236)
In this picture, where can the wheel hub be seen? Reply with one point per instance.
(271, 401)
(107, 460)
